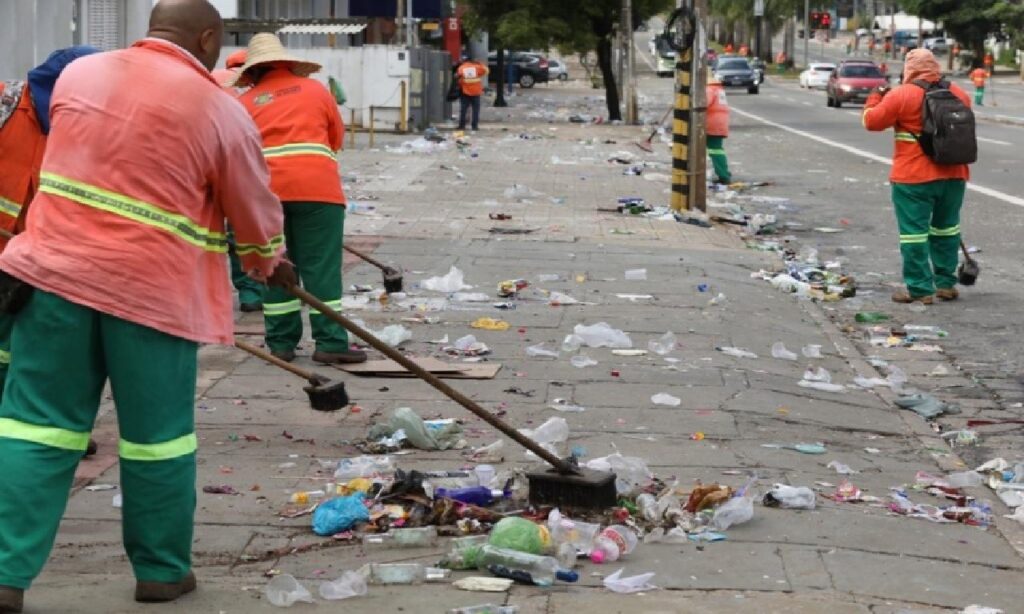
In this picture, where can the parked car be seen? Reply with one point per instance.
(936, 44)
(816, 75)
(735, 71)
(852, 81)
(531, 68)
(558, 70)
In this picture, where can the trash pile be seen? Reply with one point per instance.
(808, 278)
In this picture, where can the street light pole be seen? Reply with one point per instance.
(630, 78)
(807, 33)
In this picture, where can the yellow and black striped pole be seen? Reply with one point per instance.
(680, 200)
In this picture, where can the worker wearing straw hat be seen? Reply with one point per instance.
(301, 129)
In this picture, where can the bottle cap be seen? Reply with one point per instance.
(597, 556)
(566, 575)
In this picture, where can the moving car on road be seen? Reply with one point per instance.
(936, 45)
(735, 71)
(816, 75)
(852, 81)
(664, 57)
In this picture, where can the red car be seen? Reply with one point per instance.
(852, 81)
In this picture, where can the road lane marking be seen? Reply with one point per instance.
(807, 104)
(993, 141)
(790, 99)
(1013, 200)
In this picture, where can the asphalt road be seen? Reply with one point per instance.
(835, 173)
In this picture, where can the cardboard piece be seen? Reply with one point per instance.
(444, 370)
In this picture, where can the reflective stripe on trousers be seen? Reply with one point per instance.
(135, 210)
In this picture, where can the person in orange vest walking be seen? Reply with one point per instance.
(718, 129)
(978, 77)
(120, 276)
(470, 75)
(301, 130)
(926, 196)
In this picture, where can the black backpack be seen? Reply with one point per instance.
(947, 135)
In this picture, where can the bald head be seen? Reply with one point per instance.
(194, 25)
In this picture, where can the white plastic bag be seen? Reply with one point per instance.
(601, 335)
(663, 345)
(539, 351)
(734, 511)
(452, 282)
(779, 351)
(736, 352)
(633, 584)
(581, 361)
(663, 398)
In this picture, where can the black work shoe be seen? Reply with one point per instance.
(155, 592)
(348, 356)
(251, 307)
(90, 450)
(285, 355)
(11, 599)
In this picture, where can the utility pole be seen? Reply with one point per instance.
(630, 78)
(409, 32)
(807, 33)
(689, 147)
(758, 18)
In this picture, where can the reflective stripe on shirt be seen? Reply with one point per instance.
(135, 210)
(9, 207)
(299, 149)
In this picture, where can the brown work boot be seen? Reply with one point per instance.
(947, 294)
(903, 296)
(155, 592)
(11, 599)
(285, 355)
(348, 356)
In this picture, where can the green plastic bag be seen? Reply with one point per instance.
(520, 534)
(337, 91)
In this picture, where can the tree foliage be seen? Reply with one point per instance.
(968, 21)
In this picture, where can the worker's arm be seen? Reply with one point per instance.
(242, 187)
(335, 125)
(881, 110)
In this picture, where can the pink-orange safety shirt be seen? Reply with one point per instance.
(146, 157)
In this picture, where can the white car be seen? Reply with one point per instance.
(557, 70)
(816, 75)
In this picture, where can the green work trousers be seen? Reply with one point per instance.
(716, 150)
(928, 215)
(250, 291)
(979, 95)
(313, 236)
(6, 324)
(65, 354)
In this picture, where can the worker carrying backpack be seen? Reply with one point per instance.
(947, 135)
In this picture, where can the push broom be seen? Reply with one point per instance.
(566, 485)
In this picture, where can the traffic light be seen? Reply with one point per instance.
(820, 20)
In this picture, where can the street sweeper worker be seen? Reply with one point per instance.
(718, 129)
(119, 275)
(302, 130)
(926, 196)
(24, 124)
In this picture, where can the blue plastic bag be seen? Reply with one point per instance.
(340, 514)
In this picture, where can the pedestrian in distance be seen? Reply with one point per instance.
(301, 131)
(470, 76)
(927, 196)
(119, 275)
(978, 77)
(250, 291)
(718, 130)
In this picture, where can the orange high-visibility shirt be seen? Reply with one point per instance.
(471, 77)
(900, 109)
(301, 129)
(146, 157)
(22, 143)
(979, 76)
(718, 111)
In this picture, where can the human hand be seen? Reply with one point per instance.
(283, 275)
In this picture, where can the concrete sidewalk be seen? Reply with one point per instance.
(258, 435)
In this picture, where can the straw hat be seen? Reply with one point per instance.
(265, 48)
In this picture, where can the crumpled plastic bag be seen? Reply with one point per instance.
(520, 534)
(779, 351)
(735, 511)
(363, 466)
(549, 435)
(284, 591)
(926, 406)
(633, 584)
(339, 514)
(393, 335)
(452, 282)
(350, 584)
(601, 335)
(663, 345)
(663, 398)
(419, 433)
(539, 351)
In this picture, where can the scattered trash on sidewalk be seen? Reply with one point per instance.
(453, 281)
(349, 584)
(284, 591)
(926, 406)
(632, 584)
(666, 399)
(736, 352)
(779, 351)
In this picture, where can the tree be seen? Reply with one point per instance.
(740, 13)
(969, 21)
(590, 25)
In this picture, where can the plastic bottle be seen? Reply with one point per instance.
(463, 552)
(612, 544)
(648, 506)
(792, 497)
(871, 316)
(964, 478)
(474, 495)
(403, 573)
(486, 608)
(303, 497)
(419, 537)
(580, 535)
(543, 570)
